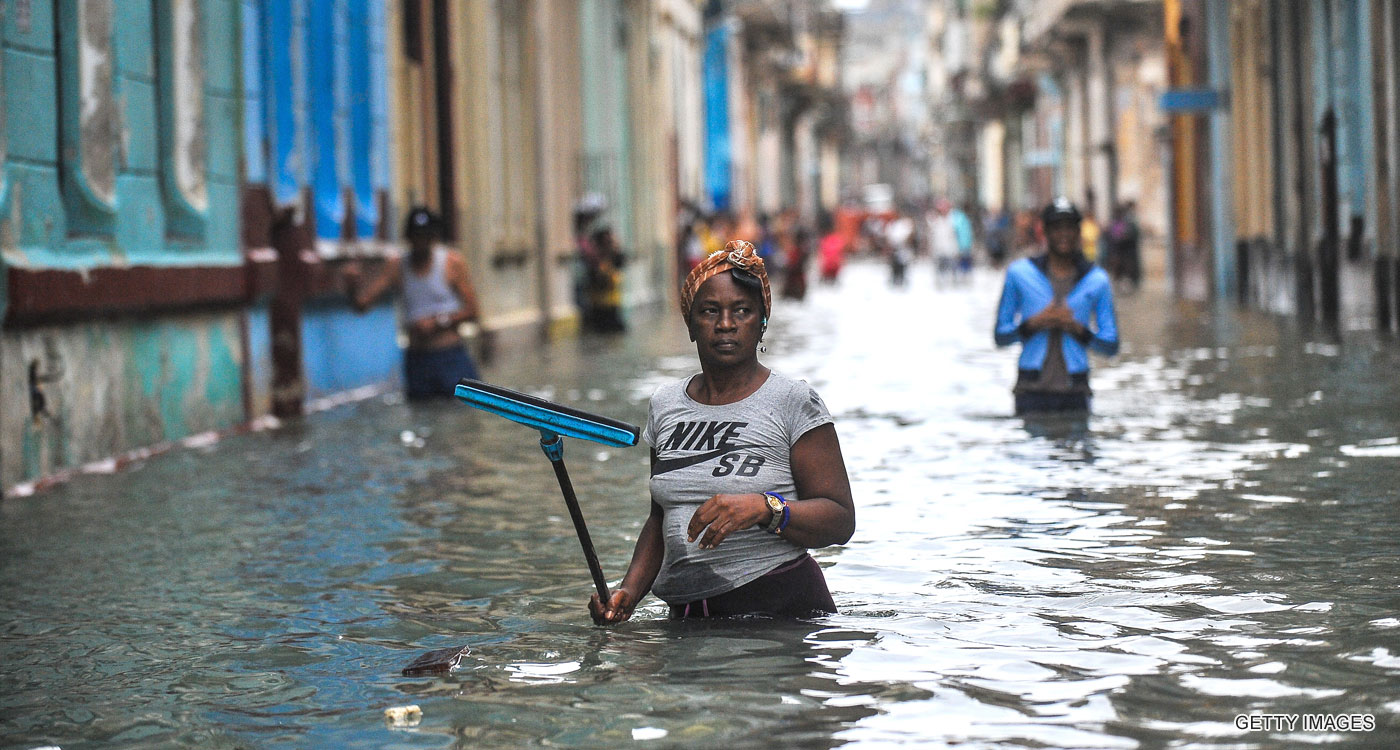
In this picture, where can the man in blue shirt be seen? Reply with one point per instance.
(1058, 306)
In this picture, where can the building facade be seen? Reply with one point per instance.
(1302, 143)
(775, 115)
(193, 179)
(122, 281)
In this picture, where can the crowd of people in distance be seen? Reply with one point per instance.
(955, 241)
(439, 296)
(438, 293)
(785, 243)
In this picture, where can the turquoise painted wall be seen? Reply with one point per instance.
(79, 222)
(152, 180)
(115, 386)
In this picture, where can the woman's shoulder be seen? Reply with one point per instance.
(796, 403)
(670, 391)
(790, 387)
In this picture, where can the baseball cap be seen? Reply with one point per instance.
(1060, 209)
(420, 219)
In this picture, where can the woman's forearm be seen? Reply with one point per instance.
(819, 522)
(646, 558)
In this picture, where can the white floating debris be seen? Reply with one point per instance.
(201, 440)
(648, 733)
(403, 716)
(105, 466)
(1383, 448)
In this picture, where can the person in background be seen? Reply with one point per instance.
(746, 469)
(792, 251)
(1124, 246)
(719, 228)
(796, 255)
(998, 232)
(899, 236)
(438, 297)
(1026, 232)
(767, 241)
(832, 250)
(685, 235)
(943, 239)
(587, 212)
(604, 284)
(1089, 234)
(1058, 306)
(962, 228)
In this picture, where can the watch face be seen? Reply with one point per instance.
(775, 505)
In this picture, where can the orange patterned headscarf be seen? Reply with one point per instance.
(737, 254)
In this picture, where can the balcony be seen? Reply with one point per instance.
(1041, 17)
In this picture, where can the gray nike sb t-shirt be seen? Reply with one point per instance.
(702, 451)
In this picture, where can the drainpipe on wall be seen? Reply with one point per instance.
(4, 305)
(1328, 256)
(1222, 219)
(1167, 151)
(1382, 52)
(1302, 170)
(543, 87)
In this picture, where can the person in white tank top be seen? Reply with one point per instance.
(438, 297)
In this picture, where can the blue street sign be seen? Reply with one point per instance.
(1193, 100)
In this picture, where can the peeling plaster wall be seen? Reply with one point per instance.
(101, 128)
(127, 161)
(112, 386)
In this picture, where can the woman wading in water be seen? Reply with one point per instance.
(746, 468)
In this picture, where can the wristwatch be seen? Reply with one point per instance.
(444, 320)
(775, 504)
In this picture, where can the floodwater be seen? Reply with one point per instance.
(1217, 540)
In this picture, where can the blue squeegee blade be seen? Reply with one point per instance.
(542, 417)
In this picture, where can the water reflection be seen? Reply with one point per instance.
(658, 679)
(1215, 539)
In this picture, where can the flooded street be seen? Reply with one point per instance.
(1218, 539)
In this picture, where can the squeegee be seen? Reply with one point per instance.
(555, 422)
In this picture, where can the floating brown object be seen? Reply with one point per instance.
(436, 662)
